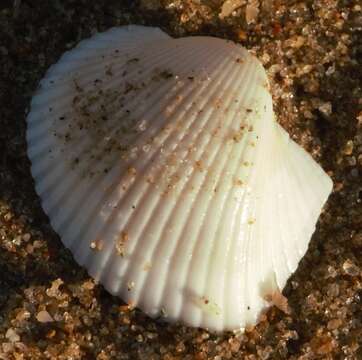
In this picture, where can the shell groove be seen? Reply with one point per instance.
(161, 167)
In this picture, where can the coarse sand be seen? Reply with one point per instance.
(312, 50)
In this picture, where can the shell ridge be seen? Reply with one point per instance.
(189, 265)
(210, 272)
(109, 86)
(259, 155)
(93, 73)
(83, 141)
(220, 66)
(126, 54)
(89, 43)
(205, 121)
(189, 215)
(196, 244)
(184, 309)
(92, 164)
(196, 196)
(231, 194)
(236, 265)
(181, 190)
(265, 250)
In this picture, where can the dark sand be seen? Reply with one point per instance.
(51, 309)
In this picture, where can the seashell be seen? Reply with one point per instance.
(162, 168)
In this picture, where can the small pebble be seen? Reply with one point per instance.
(26, 237)
(12, 336)
(44, 317)
(334, 324)
(350, 268)
(326, 108)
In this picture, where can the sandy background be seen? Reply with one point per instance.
(51, 309)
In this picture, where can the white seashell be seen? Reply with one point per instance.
(161, 167)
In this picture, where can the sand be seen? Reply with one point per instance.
(51, 309)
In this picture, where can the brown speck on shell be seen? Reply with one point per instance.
(199, 166)
(165, 74)
(130, 285)
(121, 243)
(132, 171)
(96, 245)
(77, 87)
(133, 60)
(238, 182)
(108, 71)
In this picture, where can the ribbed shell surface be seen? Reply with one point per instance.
(161, 167)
